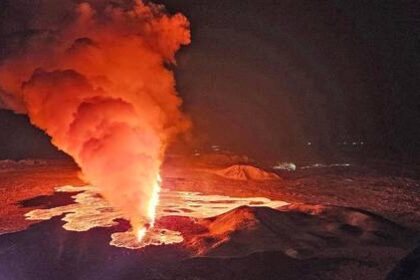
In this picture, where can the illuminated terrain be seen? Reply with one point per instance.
(90, 210)
(339, 222)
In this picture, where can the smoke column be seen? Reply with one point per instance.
(96, 82)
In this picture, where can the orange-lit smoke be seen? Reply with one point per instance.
(98, 85)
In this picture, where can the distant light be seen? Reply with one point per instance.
(309, 143)
(215, 148)
(354, 143)
(321, 165)
(287, 166)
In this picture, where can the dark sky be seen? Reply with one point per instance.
(266, 77)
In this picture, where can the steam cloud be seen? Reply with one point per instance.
(96, 82)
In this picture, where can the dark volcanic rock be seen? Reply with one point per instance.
(298, 230)
(408, 268)
(296, 242)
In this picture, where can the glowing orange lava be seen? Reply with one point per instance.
(151, 211)
(141, 232)
(90, 210)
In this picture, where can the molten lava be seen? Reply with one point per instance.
(154, 201)
(151, 211)
(90, 211)
(141, 233)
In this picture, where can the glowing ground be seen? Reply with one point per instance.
(90, 210)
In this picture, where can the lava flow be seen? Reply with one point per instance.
(90, 211)
(99, 85)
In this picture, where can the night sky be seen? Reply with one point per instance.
(266, 77)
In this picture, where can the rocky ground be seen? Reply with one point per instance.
(344, 222)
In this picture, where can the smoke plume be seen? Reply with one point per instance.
(95, 80)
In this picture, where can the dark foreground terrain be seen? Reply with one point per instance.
(354, 222)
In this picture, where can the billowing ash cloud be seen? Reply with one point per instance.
(95, 81)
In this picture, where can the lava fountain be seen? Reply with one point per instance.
(98, 84)
(151, 211)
